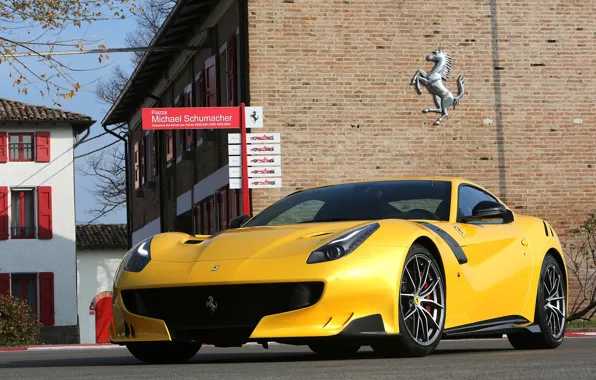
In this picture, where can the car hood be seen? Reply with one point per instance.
(248, 243)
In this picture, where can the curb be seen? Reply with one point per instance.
(112, 346)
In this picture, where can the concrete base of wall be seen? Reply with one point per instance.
(59, 335)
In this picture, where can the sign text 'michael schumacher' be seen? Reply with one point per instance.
(191, 118)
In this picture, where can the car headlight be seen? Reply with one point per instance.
(343, 245)
(138, 257)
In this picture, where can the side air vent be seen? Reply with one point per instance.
(545, 228)
(194, 241)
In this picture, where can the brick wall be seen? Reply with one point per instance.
(334, 79)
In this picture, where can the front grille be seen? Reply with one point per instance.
(221, 309)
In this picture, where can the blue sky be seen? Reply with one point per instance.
(111, 34)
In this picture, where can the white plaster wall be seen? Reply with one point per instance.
(148, 230)
(58, 254)
(95, 274)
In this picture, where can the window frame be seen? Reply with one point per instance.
(35, 276)
(21, 147)
(486, 193)
(22, 212)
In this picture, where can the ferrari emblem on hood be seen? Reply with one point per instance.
(215, 267)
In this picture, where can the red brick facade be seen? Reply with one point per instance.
(334, 77)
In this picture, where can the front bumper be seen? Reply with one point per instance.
(352, 297)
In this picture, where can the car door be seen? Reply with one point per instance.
(499, 262)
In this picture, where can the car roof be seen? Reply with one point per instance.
(455, 180)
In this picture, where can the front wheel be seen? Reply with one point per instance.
(550, 314)
(163, 352)
(421, 307)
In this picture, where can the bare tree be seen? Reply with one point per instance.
(26, 27)
(107, 167)
(148, 23)
(582, 269)
(106, 164)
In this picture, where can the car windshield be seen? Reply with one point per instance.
(416, 199)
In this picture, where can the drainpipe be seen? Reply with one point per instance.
(244, 66)
(128, 203)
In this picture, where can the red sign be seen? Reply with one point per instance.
(191, 118)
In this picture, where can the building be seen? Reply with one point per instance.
(100, 249)
(37, 244)
(335, 79)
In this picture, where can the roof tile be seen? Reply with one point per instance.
(102, 236)
(11, 110)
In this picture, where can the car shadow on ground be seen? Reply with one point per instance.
(125, 359)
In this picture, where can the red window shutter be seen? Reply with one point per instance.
(201, 90)
(5, 283)
(232, 71)
(3, 212)
(46, 298)
(3, 147)
(44, 212)
(42, 144)
(211, 96)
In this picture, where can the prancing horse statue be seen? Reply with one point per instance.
(434, 83)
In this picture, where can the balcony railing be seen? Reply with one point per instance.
(22, 232)
(21, 151)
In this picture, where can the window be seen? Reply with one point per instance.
(136, 165)
(22, 224)
(211, 80)
(188, 102)
(148, 150)
(24, 287)
(20, 146)
(361, 201)
(469, 197)
(223, 74)
(214, 213)
(36, 289)
(169, 145)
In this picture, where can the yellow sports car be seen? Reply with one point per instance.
(397, 265)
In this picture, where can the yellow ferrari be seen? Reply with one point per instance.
(394, 264)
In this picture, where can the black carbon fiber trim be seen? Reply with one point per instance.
(451, 242)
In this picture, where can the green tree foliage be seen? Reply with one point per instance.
(18, 323)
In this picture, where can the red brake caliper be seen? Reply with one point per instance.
(427, 297)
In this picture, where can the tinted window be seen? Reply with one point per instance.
(361, 201)
(469, 197)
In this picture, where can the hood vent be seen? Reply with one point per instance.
(193, 241)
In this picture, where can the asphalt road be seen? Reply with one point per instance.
(575, 359)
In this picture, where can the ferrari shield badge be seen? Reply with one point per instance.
(214, 268)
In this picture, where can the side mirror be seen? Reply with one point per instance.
(238, 221)
(489, 210)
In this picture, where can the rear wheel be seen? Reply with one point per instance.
(163, 352)
(551, 308)
(334, 349)
(421, 307)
